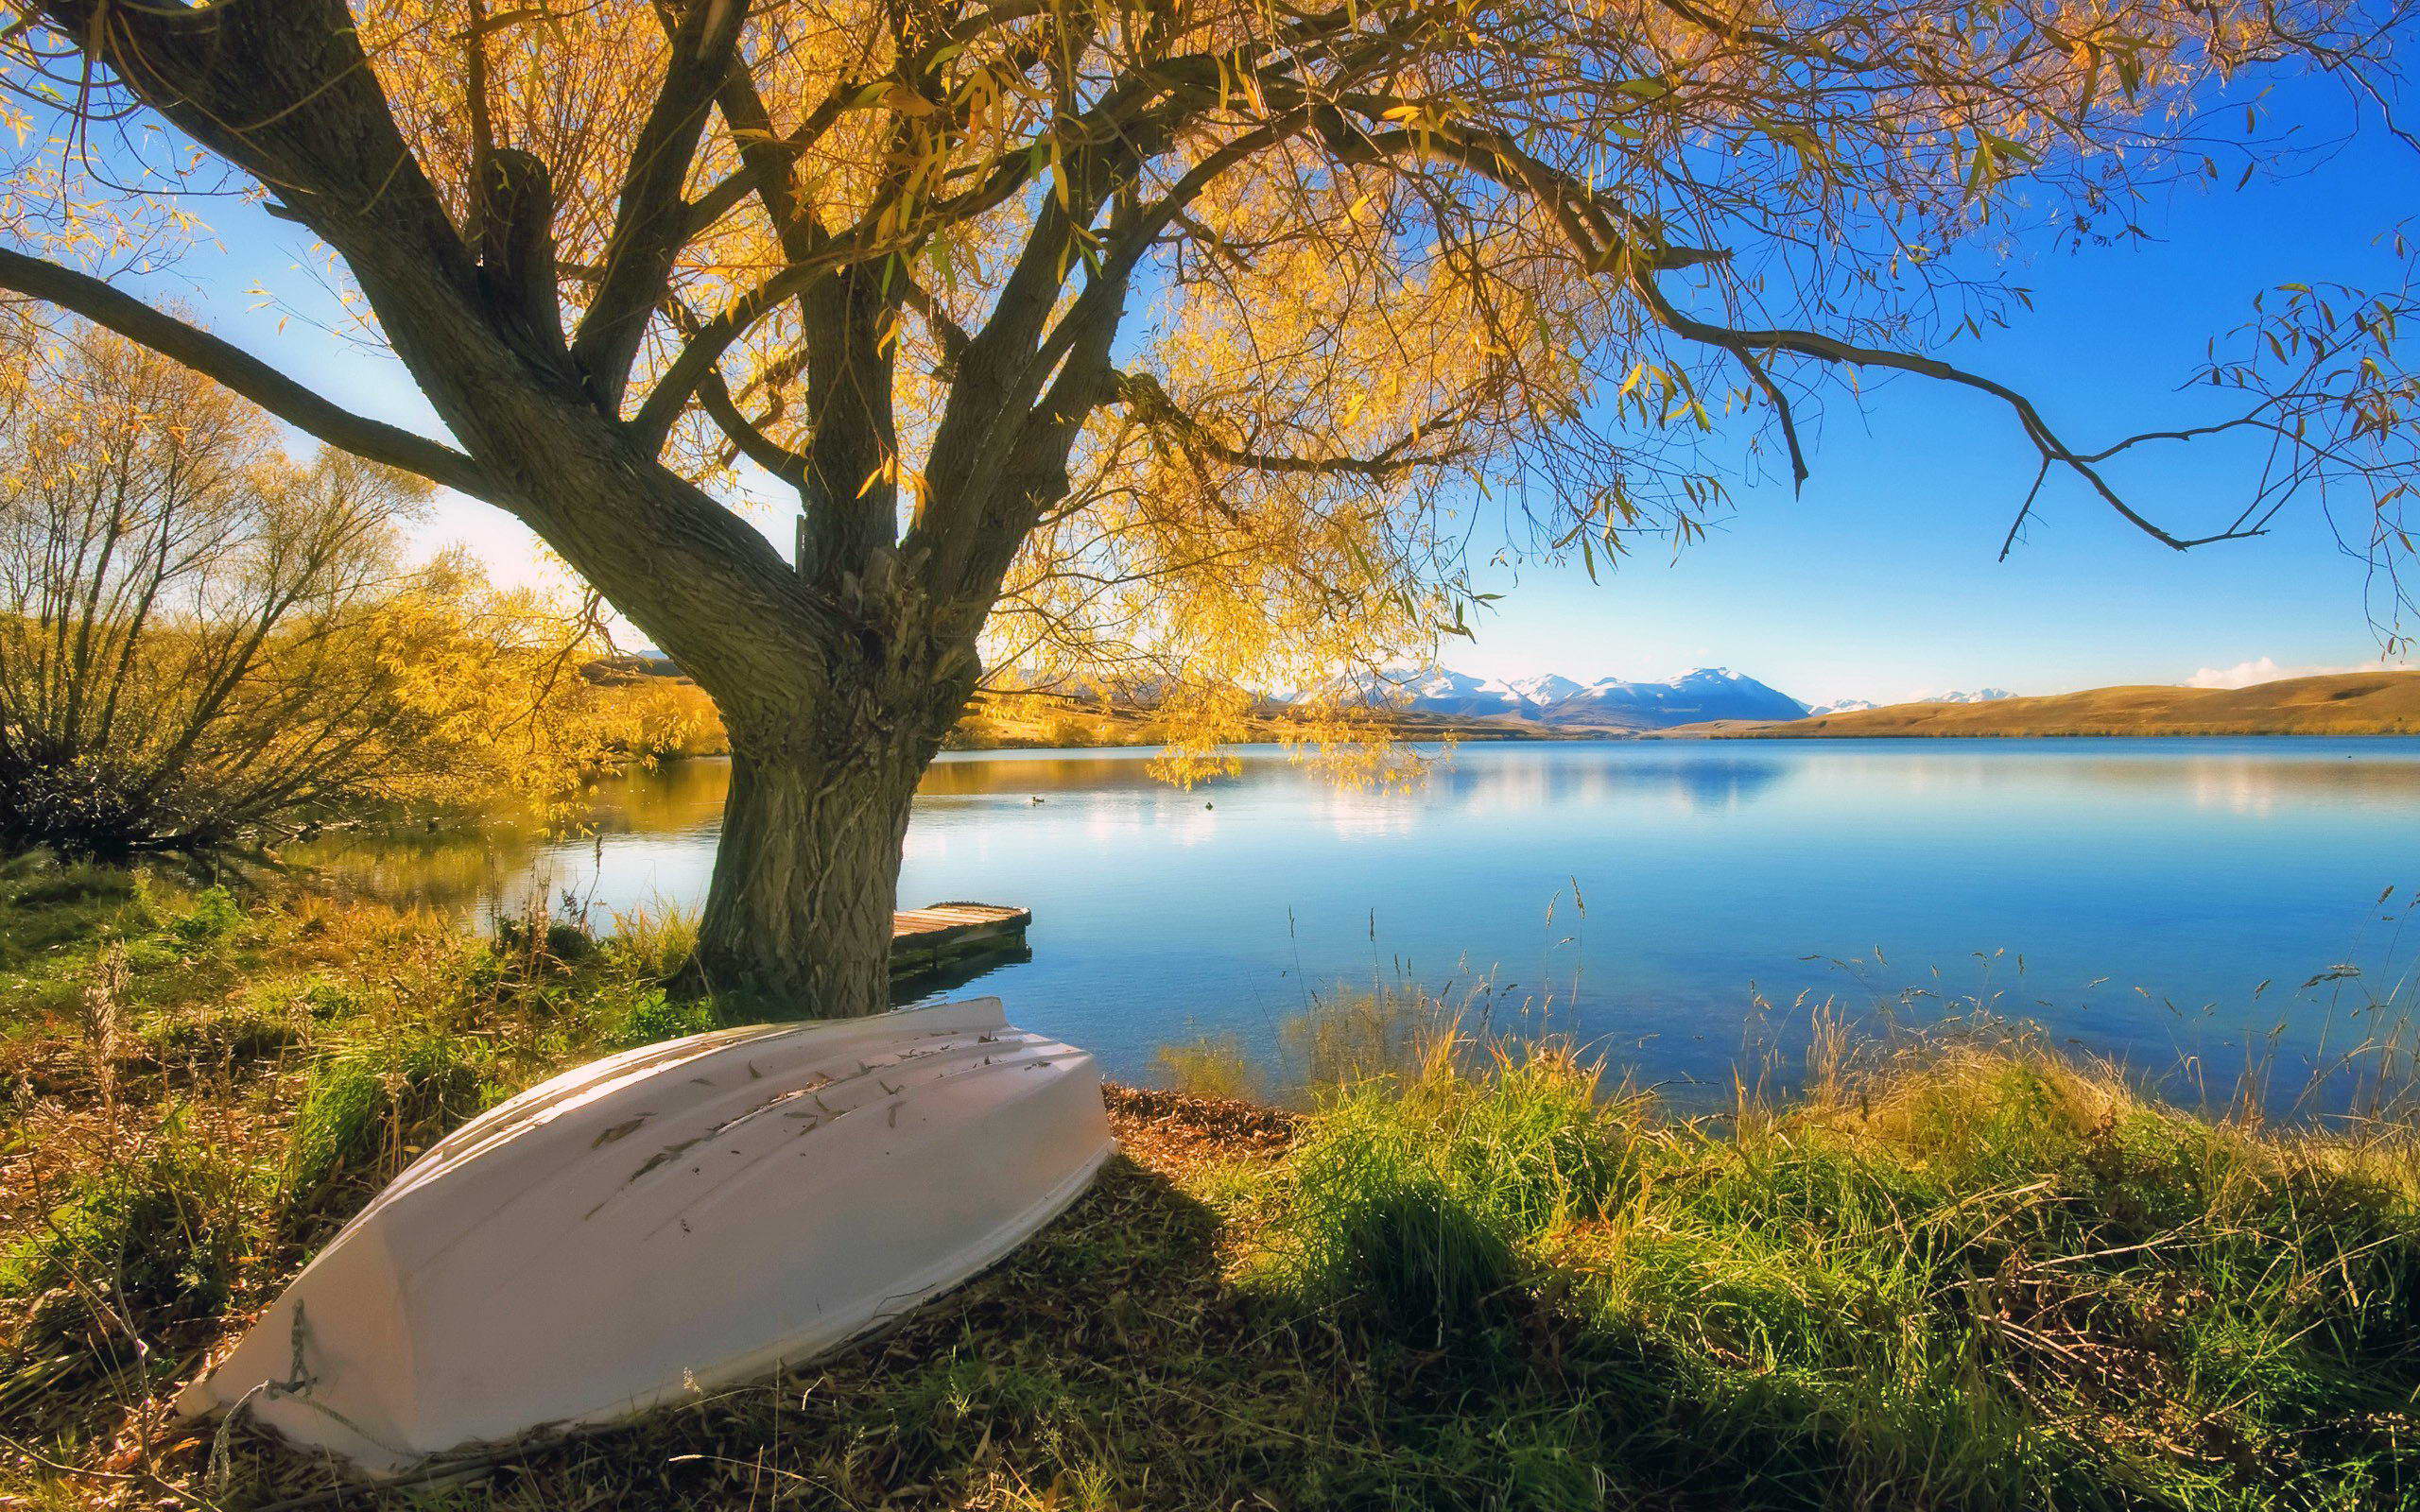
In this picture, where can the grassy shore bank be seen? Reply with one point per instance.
(1949, 1273)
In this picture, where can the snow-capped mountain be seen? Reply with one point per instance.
(1700, 694)
(1611, 703)
(1439, 691)
(1979, 695)
(1846, 706)
(1548, 688)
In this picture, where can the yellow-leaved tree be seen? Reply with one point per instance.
(206, 646)
(1090, 329)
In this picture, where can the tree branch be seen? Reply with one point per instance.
(679, 384)
(654, 222)
(947, 333)
(1150, 404)
(515, 206)
(1833, 349)
(1608, 237)
(391, 445)
(743, 433)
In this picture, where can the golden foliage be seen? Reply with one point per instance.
(1397, 271)
(204, 642)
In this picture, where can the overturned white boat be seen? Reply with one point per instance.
(667, 1220)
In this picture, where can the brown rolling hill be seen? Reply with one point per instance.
(2344, 703)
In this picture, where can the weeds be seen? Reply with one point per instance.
(213, 917)
(1958, 1271)
(321, 1043)
(652, 1016)
(1339, 1038)
(47, 906)
(653, 944)
(1416, 1198)
(148, 1242)
(1212, 1066)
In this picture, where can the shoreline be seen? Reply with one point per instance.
(1462, 1274)
(1616, 737)
(1685, 732)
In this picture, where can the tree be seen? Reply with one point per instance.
(204, 645)
(1190, 325)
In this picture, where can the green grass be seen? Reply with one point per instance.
(1957, 1275)
(153, 1238)
(197, 1087)
(1954, 1273)
(1338, 1038)
(374, 1103)
(1418, 1198)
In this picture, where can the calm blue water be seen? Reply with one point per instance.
(2133, 896)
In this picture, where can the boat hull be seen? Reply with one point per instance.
(665, 1220)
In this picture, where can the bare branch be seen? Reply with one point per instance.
(1832, 350)
(750, 438)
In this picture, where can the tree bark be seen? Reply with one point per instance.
(797, 922)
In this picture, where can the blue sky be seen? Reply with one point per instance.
(1879, 581)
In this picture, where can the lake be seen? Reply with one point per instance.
(1683, 904)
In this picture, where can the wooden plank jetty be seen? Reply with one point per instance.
(923, 939)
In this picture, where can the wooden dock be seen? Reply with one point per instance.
(927, 939)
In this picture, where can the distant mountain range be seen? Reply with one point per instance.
(1609, 703)
(1700, 695)
(1851, 706)
(1983, 696)
(1550, 699)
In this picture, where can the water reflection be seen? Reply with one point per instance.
(678, 798)
(494, 865)
(2149, 885)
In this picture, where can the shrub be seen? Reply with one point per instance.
(213, 917)
(326, 1001)
(538, 940)
(373, 1105)
(1072, 731)
(251, 656)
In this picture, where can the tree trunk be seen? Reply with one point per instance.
(798, 921)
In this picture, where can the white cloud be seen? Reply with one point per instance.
(2241, 675)
(2265, 669)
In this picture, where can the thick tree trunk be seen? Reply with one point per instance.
(798, 921)
(837, 674)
